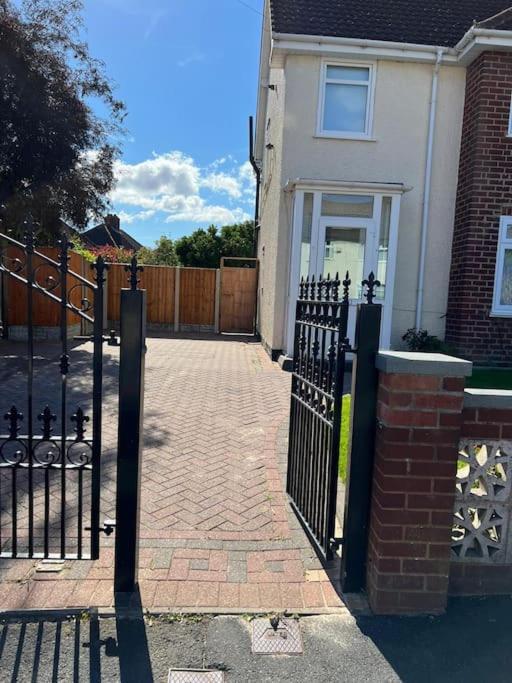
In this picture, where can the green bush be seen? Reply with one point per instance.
(421, 340)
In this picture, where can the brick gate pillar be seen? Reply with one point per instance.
(419, 417)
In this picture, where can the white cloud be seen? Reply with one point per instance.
(132, 217)
(222, 182)
(218, 215)
(147, 183)
(174, 185)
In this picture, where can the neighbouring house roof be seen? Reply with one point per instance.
(109, 233)
(434, 22)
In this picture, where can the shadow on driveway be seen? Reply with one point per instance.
(471, 642)
(76, 646)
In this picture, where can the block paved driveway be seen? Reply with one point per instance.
(216, 529)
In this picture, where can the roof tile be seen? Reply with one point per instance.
(437, 22)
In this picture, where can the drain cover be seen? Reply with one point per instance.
(285, 639)
(195, 676)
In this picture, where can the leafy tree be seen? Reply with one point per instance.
(163, 253)
(56, 154)
(204, 248)
(201, 249)
(238, 239)
(84, 251)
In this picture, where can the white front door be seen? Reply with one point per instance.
(345, 245)
(361, 241)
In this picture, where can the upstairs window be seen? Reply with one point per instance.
(510, 119)
(346, 100)
(502, 301)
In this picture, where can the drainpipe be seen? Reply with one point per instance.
(257, 173)
(427, 188)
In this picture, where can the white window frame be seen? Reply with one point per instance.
(347, 135)
(498, 309)
(509, 132)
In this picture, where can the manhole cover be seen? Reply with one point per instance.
(195, 676)
(284, 639)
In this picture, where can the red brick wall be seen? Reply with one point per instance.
(486, 423)
(483, 578)
(413, 493)
(484, 194)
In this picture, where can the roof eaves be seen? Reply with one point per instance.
(325, 45)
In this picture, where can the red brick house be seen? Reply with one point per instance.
(384, 141)
(479, 314)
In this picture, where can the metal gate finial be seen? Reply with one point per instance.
(313, 288)
(14, 417)
(100, 267)
(46, 417)
(133, 269)
(346, 287)
(79, 419)
(371, 283)
(336, 287)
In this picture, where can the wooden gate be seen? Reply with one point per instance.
(238, 292)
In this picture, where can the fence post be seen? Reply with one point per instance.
(177, 274)
(105, 303)
(218, 285)
(361, 448)
(129, 454)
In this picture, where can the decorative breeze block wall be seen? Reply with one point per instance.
(482, 530)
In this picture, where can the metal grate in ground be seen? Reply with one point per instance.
(195, 676)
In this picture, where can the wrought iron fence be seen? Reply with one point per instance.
(319, 365)
(50, 483)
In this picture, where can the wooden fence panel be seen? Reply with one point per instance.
(158, 281)
(238, 299)
(197, 296)
(46, 312)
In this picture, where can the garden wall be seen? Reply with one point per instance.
(441, 511)
(482, 534)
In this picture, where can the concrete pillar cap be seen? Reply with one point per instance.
(413, 363)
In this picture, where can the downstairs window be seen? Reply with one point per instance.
(502, 300)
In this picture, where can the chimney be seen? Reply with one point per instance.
(112, 222)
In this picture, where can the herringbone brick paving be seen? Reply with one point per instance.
(216, 529)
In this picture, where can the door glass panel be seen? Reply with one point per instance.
(344, 251)
(382, 263)
(509, 232)
(347, 205)
(305, 242)
(506, 280)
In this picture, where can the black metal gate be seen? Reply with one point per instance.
(50, 455)
(319, 367)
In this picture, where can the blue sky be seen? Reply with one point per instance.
(187, 71)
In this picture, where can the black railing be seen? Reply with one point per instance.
(50, 483)
(319, 365)
(315, 419)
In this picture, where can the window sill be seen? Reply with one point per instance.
(500, 314)
(345, 136)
